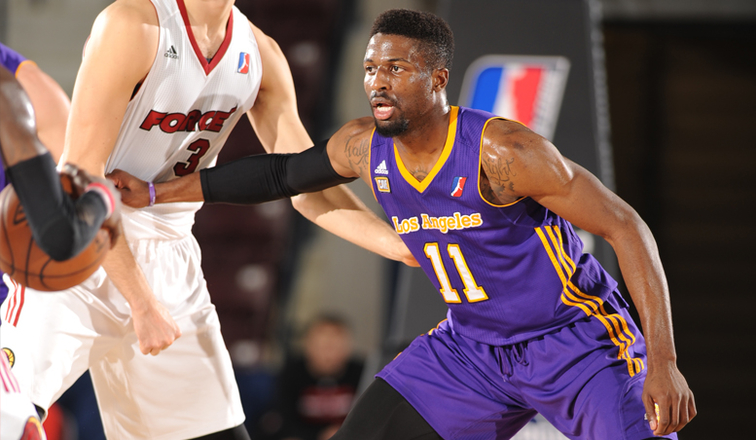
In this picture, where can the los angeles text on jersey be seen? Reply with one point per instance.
(172, 122)
(456, 221)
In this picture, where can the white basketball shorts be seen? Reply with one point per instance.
(188, 390)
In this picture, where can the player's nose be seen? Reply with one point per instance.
(378, 81)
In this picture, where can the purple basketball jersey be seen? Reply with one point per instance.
(10, 59)
(534, 324)
(508, 273)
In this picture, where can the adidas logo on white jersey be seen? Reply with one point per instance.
(171, 53)
(381, 168)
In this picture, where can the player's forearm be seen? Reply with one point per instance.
(644, 276)
(183, 189)
(127, 276)
(51, 106)
(18, 135)
(340, 212)
(61, 227)
(255, 179)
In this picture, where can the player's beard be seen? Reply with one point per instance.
(391, 128)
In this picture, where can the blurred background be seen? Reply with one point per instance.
(659, 102)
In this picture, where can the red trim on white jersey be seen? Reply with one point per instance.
(15, 303)
(10, 384)
(221, 50)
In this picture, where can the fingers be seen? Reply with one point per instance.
(160, 337)
(116, 176)
(692, 411)
(134, 191)
(155, 347)
(411, 262)
(652, 411)
(154, 351)
(664, 417)
(672, 416)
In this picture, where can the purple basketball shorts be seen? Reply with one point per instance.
(575, 377)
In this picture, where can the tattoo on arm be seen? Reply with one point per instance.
(357, 153)
(499, 172)
(486, 191)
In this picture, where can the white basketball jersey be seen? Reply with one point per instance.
(18, 418)
(183, 113)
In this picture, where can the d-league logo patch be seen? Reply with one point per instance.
(527, 89)
(11, 356)
(458, 186)
(382, 183)
(243, 66)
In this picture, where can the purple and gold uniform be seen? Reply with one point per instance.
(534, 324)
(11, 60)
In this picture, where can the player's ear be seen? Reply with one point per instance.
(440, 78)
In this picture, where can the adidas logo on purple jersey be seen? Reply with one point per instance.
(382, 169)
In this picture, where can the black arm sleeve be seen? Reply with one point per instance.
(266, 177)
(61, 227)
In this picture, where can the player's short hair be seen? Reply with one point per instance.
(434, 34)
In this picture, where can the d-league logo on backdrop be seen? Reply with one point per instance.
(527, 89)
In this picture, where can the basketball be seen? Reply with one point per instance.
(27, 264)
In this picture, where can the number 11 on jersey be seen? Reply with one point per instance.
(473, 292)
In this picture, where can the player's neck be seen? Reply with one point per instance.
(209, 19)
(210, 14)
(421, 146)
(428, 134)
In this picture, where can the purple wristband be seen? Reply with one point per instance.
(151, 187)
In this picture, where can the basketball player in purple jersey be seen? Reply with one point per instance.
(50, 105)
(487, 207)
(61, 227)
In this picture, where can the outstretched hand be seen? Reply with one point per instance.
(135, 192)
(82, 181)
(668, 400)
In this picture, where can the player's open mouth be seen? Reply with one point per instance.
(382, 111)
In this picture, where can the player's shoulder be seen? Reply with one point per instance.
(504, 135)
(360, 128)
(264, 41)
(350, 145)
(507, 128)
(128, 13)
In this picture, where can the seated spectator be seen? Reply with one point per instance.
(317, 388)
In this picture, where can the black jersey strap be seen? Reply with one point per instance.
(266, 177)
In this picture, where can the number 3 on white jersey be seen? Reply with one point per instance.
(473, 292)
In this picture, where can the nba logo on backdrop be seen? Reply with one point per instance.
(243, 63)
(527, 89)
